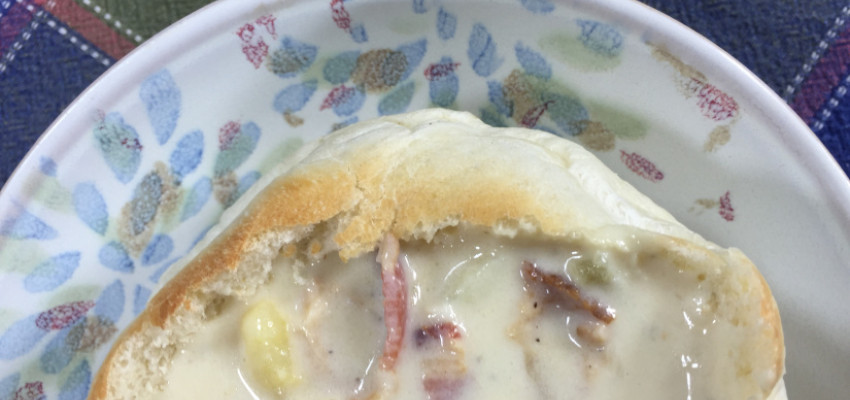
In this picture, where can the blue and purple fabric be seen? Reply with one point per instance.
(50, 50)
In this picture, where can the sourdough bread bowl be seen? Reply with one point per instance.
(509, 261)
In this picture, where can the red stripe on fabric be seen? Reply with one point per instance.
(825, 76)
(90, 27)
(12, 23)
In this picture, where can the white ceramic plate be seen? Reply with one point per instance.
(142, 164)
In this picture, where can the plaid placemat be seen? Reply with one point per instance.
(50, 50)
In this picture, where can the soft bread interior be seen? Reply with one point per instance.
(413, 176)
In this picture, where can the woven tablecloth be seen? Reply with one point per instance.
(50, 50)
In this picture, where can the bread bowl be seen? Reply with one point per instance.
(428, 255)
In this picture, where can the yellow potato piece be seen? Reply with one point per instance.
(267, 347)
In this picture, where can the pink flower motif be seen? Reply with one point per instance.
(253, 45)
(529, 120)
(713, 102)
(337, 95)
(439, 70)
(726, 211)
(256, 53)
(246, 32)
(267, 21)
(61, 316)
(30, 391)
(641, 166)
(340, 16)
(131, 144)
(227, 133)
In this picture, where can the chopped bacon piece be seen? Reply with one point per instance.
(441, 331)
(592, 332)
(567, 290)
(444, 369)
(442, 389)
(394, 289)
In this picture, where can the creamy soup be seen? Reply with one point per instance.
(471, 315)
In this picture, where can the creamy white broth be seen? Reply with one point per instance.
(514, 340)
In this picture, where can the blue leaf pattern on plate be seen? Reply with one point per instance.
(419, 6)
(338, 69)
(61, 349)
(76, 387)
(47, 167)
(52, 273)
(90, 207)
(114, 256)
(158, 274)
(414, 52)
(482, 51)
(197, 197)
(443, 87)
(201, 236)
(398, 100)
(292, 57)
(496, 94)
(161, 97)
(120, 146)
(158, 249)
(345, 122)
(538, 6)
(241, 186)
(601, 38)
(186, 157)
(110, 304)
(358, 33)
(492, 118)
(294, 97)
(20, 338)
(146, 198)
(246, 182)
(446, 24)
(532, 62)
(27, 226)
(8, 386)
(141, 299)
(235, 151)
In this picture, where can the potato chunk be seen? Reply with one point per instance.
(267, 350)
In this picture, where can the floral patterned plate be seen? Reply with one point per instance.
(143, 163)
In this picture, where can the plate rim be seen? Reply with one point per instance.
(808, 150)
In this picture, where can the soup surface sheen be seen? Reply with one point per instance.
(473, 315)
